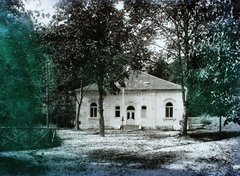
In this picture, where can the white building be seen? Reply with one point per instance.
(145, 101)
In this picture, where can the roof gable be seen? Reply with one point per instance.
(145, 81)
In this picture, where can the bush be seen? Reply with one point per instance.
(165, 128)
(11, 165)
(235, 119)
(26, 138)
(205, 121)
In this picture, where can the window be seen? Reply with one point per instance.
(93, 110)
(130, 112)
(144, 112)
(117, 111)
(169, 110)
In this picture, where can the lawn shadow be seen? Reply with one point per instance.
(213, 136)
(131, 159)
(14, 166)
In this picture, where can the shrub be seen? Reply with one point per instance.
(26, 138)
(165, 128)
(205, 121)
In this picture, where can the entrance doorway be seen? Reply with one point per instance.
(130, 115)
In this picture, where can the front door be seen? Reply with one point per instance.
(130, 115)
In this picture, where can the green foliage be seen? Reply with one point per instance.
(140, 18)
(235, 116)
(93, 42)
(13, 166)
(203, 46)
(88, 43)
(205, 121)
(217, 81)
(63, 114)
(20, 58)
(235, 119)
(13, 139)
(160, 69)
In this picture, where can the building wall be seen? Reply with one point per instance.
(154, 102)
(137, 100)
(86, 120)
(162, 99)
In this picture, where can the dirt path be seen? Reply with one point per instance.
(128, 153)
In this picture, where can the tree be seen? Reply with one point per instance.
(20, 58)
(91, 36)
(159, 68)
(181, 23)
(219, 76)
(84, 83)
(141, 28)
(95, 40)
(177, 25)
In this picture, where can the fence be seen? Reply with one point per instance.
(26, 138)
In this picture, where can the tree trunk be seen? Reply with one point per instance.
(100, 110)
(78, 116)
(186, 66)
(220, 124)
(183, 78)
(184, 120)
(79, 107)
(82, 92)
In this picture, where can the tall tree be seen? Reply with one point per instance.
(159, 67)
(91, 36)
(177, 25)
(140, 19)
(220, 74)
(20, 58)
(181, 23)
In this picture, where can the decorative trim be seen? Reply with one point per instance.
(93, 101)
(169, 99)
(130, 103)
(136, 92)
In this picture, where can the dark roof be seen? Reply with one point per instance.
(145, 81)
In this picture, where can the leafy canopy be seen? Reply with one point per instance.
(20, 96)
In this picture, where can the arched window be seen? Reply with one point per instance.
(93, 110)
(130, 108)
(144, 112)
(169, 110)
(117, 111)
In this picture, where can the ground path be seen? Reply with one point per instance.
(132, 153)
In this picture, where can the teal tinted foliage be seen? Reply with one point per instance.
(20, 59)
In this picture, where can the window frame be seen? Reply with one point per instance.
(93, 110)
(143, 111)
(117, 111)
(169, 110)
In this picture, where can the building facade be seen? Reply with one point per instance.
(145, 101)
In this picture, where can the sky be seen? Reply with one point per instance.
(45, 6)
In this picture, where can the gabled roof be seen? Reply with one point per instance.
(145, 81)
